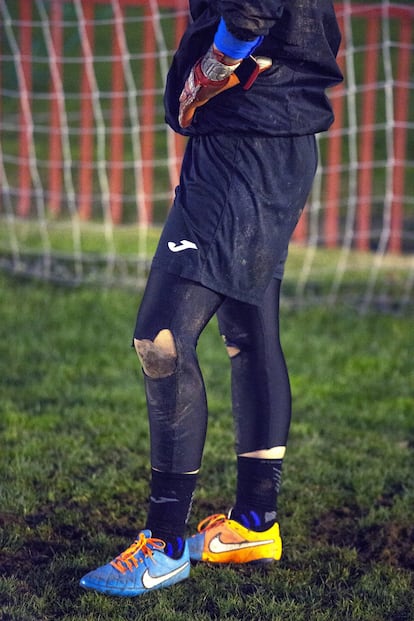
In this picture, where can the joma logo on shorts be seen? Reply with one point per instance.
(183, 245)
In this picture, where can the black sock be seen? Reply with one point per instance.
(170, 505)
(258, 484)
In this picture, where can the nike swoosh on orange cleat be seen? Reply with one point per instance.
(217, 546)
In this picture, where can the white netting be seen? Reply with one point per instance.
(88, 166)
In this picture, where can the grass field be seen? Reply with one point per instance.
(74, 465)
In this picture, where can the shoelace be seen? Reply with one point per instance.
(127, 560)
(211, 521)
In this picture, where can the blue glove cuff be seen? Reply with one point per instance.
(227, 43)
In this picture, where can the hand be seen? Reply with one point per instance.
(211, 75)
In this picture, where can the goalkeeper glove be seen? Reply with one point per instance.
(211, 75)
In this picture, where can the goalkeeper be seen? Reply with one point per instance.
(247, 86)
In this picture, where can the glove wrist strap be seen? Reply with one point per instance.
(231, 46)
(216, 66)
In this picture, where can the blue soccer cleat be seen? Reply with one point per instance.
(143, 567)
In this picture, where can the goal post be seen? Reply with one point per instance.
(88, 167)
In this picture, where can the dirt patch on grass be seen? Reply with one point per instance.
(34, 540)
(387, 542)
(33, 554)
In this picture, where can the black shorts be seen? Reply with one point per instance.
(235, 210)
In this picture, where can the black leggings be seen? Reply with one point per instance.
(177, 405)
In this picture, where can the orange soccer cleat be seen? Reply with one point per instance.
(223, 540)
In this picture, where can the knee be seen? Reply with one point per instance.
(234, 346)
(158, 357)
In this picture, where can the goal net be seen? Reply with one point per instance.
(88, 166)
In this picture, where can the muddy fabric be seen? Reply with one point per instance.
(302, 39)
(235, 210)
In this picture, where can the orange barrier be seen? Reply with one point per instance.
(371, 14)
(24, 143)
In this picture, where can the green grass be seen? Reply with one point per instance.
(93, 236)
(121, 257)
(74, 465)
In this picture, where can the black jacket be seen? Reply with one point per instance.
(301, 36)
